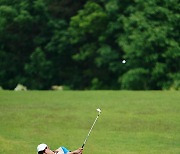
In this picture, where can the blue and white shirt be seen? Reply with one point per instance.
(62, 150)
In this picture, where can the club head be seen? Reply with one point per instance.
(99, 110)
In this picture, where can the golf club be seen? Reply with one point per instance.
(99, 112)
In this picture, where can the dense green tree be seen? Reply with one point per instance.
(38, 70)
(149, 35)
(97, 61)
(26, 26)
(64, 9)
(81, 44)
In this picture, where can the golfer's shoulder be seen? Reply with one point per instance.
(59, 151)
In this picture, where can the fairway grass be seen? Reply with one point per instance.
(131, 122)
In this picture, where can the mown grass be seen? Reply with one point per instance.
(132, 122)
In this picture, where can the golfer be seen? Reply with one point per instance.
(44, 149)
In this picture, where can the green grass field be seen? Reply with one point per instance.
(132, 122)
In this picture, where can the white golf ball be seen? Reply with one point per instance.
(124, 61)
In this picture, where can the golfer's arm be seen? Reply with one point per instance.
(76, 151)
(71, 152)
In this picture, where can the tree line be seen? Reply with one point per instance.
(81, 44)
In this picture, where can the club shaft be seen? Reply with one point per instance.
(90, 131)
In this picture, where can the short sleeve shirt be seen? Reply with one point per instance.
(62, 150)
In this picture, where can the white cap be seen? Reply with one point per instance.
(41, 147)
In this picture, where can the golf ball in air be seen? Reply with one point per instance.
(124, 61)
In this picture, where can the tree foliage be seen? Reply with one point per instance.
(82, 44)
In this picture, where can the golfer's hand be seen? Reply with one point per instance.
(79, 151)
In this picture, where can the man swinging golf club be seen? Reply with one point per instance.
(44, 149)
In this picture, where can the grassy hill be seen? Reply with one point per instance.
(132, 122)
